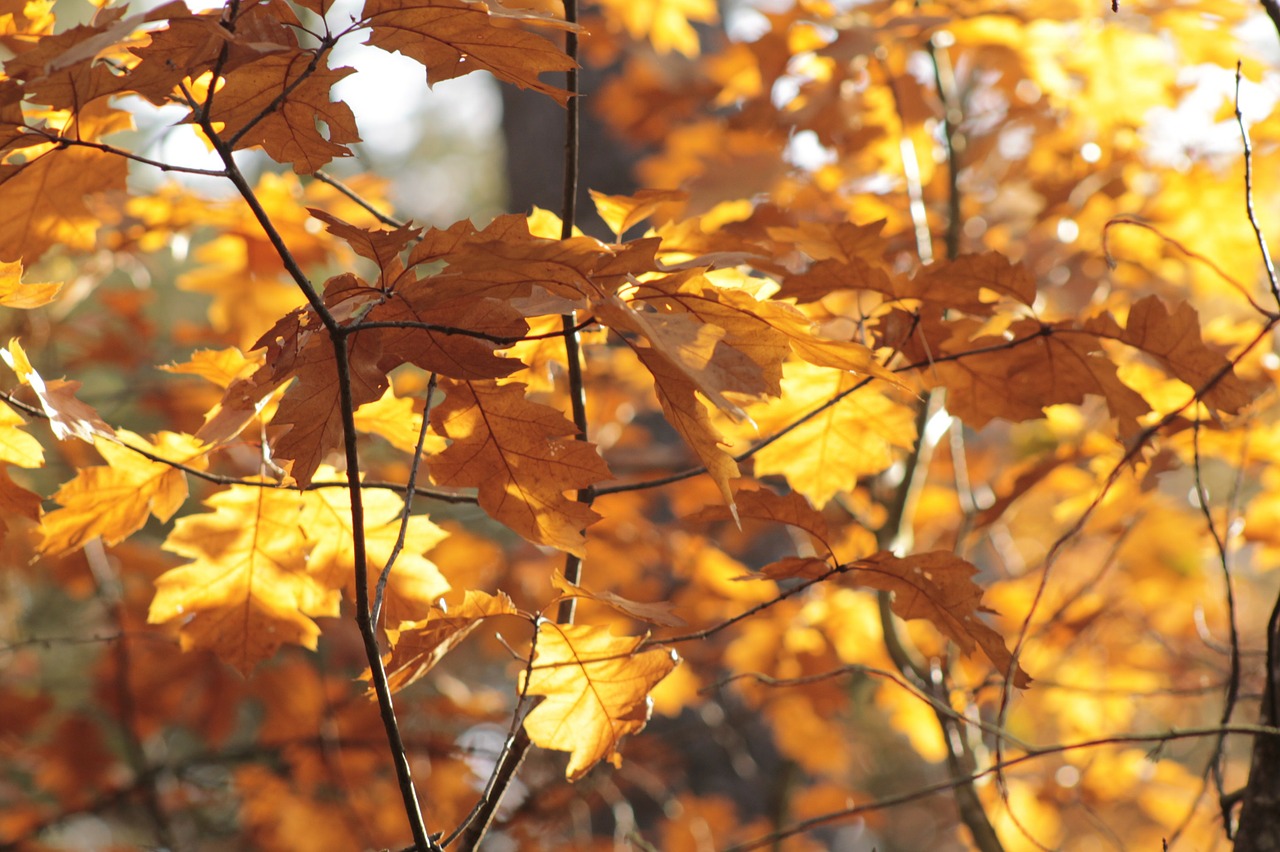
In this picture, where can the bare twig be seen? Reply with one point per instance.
(410, 485)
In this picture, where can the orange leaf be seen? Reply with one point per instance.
(597, 691)
(972, 283)
(415, 582)
(419, 645)
(114, 500)
(277, 102)
(517, 454)
(623, 212)
(15, 294)
(938, 587)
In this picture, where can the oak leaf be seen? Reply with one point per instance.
(519, 455)
(971, 283)
(596, 687)
(938, 587)
(15, 294)
(455, 37)
(993, 377)
(246, 589)
(417, 646)
(414, 582)
(853, 431)
(655, 613)
(277, 102)
(1172, 337)
(114, 500)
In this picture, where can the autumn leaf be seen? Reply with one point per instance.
(417, 646)
(454, 37)
(655, 613)
(1051, 365)
(246, 588)
(15, 294)
(16, 445)
(623, 212)
(393, 418)
(855, 430)
(519, 455)
(596, 687)
(938, 587)
(114, 500)
(971, 283)
(68, 416)
(415, 582)
(45, 194)
(770, 507)
(1172, 337)
(278, 101)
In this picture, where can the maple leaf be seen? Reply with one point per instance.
(417, 646)
(113, 501)
(246, 589)
(517, 454)
(15, 294)
(596, 687)
(938, 587)
(455, 37)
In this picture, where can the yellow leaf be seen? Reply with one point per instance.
(17, 447)
(597, 691)
(393, 418)
(415, 582)
(825, 455)
(15, 294)
(246, 590)
(114, 500)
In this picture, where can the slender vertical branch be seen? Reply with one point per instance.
(1263, 249)
(518, 743)
(373, 654)
(410, 487)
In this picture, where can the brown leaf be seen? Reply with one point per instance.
(519, 455)
(455, 37)
(938, 587)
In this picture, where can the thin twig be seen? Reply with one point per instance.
(1248, 192)
(359, 199)
(1035, 754)
(410, 485)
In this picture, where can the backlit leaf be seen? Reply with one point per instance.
(597, 691)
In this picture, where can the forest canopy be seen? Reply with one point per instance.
(855, 434)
